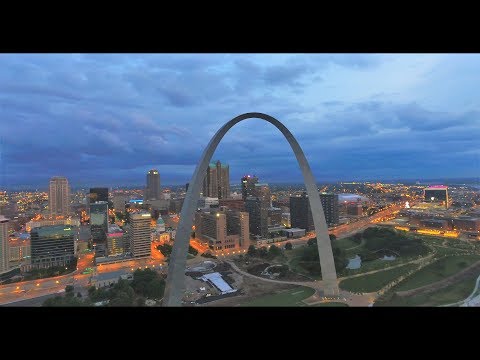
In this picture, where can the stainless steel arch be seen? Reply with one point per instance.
(175, 286)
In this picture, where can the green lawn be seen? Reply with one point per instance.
(345, 243)
(332, 304)
(438, 270)
(448, 295)
(374, 282)
(287, 298)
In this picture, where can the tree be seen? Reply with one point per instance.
(251, 250)
(193, 234)
(68, 289)
(79, 295)
(288, 246)
(312, 241)
(332, 237)
(274, 251)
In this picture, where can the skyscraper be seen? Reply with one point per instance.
(4, 248)
(223, 230)
(52, 246)
(258, 216)
(59, 196)
(119, 201)
(262, 191)
(216, 183)
(330, 207)
(300, 214)
(152, 191)
(248, 186)
(138, 231)
(99, 221)
(98, 194)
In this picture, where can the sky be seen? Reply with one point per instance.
(106, 119)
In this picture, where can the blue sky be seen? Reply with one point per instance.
(106, 119)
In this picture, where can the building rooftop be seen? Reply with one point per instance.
(3, 219)
(110, 275)
(217, 280)
(214, 165)
(54, 230)
(437, 187)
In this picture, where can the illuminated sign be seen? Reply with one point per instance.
(67, 229)
(145, 215)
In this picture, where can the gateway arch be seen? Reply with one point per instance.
(175, 283)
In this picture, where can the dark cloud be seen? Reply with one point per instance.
(107, 119)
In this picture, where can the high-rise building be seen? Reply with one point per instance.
(59, 196)
(186, 186)
(258, 216)
(119, 201)
(4, 248)
(99, 221)
(138, 231)
(274, 217)
(98, 194)
(301, 215)
(216, 183)
(52, 246)
(223, 230)
(152, 191)
(262, 191)
(330, 207)
(232, 204)
(115, 241)
(248, 186)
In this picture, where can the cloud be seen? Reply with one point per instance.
(108, 118)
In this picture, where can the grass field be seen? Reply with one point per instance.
(438, 270)
(374, 282)
(345, 243)
(287, 298)
(448, 295)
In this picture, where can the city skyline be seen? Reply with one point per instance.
(106, 119)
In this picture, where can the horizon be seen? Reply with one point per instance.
(109, 118)
(422, 182)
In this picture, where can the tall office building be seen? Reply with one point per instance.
(152, 191)
(139, 236)
(52, 246)
(248, 186)
(258, 216)
(301, 215)
(232, 204)
(59, 196)
(223, 230)
(330, 207)
(4, 248)
(98, 194)
(262, 191)
(186, 186)
(274, 217)
(99, 221)
(115, 241)
(119, 201)
(216, 183)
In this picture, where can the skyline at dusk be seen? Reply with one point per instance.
(106, 119)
